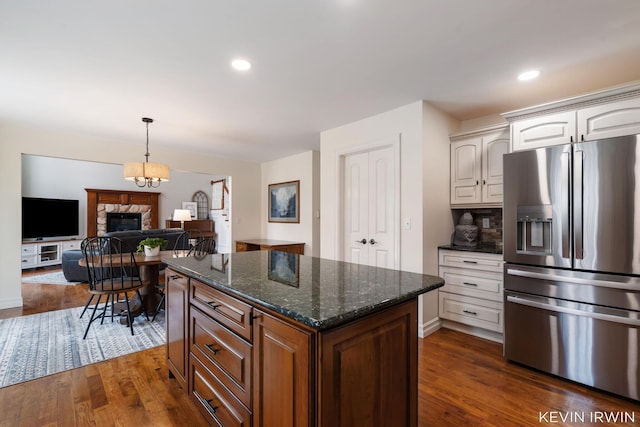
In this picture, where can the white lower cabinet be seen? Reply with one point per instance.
(42, 254)
(471, 299)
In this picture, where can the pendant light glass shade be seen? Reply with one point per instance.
(146, 174)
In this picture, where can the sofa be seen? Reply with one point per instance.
(75, 273)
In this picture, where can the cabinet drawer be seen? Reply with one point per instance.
(471, 311)
(476, 260)
(227, 310)
(213, 400)
(67, 246)
(478, 284)
(29, 261)
(226, 355)
(29, 249)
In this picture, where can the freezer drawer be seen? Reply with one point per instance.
(592, 345)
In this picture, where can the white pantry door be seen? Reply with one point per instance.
(369, 208)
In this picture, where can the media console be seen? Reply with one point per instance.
(46, 252)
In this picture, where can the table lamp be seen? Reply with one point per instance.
(182, 215)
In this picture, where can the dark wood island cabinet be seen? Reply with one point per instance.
(329, 344)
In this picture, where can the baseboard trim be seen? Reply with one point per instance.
(10, 302)
(478, 332)
(429, 327)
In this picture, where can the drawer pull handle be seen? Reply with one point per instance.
(213, 304)
(470, 312)
(212, 408)
(470, 284)
(211, 349)
(469, 262)
(174, 277)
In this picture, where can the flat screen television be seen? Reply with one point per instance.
(43, 217)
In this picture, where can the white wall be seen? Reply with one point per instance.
(16, 140)
(437, 221)
(481, 122)
(424, 185)
(405, 122)
(303, 167)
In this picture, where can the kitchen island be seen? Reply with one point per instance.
(270, 338)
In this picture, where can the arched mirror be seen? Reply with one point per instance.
(201, 198)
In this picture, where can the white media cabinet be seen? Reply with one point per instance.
(43, 253)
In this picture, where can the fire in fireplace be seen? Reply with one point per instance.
(123, 221)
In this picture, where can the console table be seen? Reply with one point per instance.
(196, 227)
(268, 244)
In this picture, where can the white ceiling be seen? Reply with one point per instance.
(99, 67)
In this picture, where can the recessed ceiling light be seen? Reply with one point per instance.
(241, 64)
(528, 75)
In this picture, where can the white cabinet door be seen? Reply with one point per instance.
(466, 163)
(494, 146)
(552, 129)
(369, 208)
(476, 168)
(609, 120)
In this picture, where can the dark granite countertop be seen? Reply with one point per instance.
(487, 249)
(318, 292)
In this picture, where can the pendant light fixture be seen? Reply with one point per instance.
(146, 174)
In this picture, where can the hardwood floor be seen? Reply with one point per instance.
(463, 380)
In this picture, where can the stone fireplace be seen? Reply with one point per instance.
(130, 204)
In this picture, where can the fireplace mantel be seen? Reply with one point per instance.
(119, 197)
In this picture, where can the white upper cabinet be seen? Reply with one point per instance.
(609, 120)
(605, 114)
(476, 166)
(466, 161)
(553, 129)
(493, 147)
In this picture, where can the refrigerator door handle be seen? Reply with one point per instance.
(578, 203)
(564, 215)
(632, 286)
(568, 310)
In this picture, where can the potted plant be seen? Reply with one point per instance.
(152, 245)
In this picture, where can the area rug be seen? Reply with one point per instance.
(47, 343)
(53, 278)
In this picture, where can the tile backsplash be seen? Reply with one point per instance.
(489, 236)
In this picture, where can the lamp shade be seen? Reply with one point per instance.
(140, 171)
(182, 215)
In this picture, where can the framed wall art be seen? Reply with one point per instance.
(284, 202)
(191, 207)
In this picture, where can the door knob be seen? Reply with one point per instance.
(363, 241)
(373, 242)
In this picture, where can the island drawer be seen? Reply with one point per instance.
(213, 400)
(226, 355)
(229, 311)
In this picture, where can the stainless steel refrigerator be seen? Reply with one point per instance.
(572, 251)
